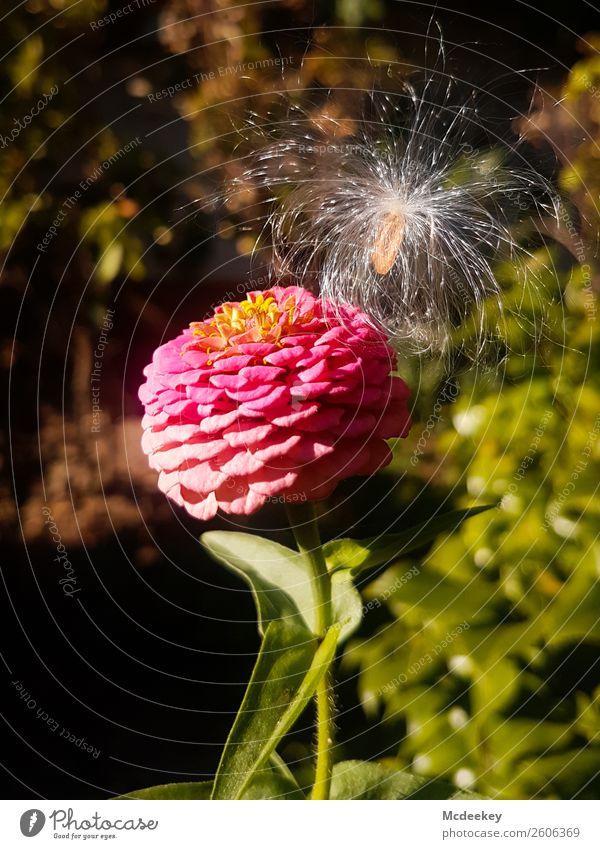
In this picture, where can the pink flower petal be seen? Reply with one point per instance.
(205, 394)
(276, 396)
(262, 374)
(293, 414)
(229, 381)
(286, 357)
(242, 464)
(239, 503)
(325, 419)
(201, 478)
(183, 409)
(203, 508)
(172, 458)
(355, 425)
(249, 394)
(306, 391)
(272, 480)
(155, 440)
(247, 434)
(315, 373)
(214, 424)
(231, 364)
(195, 359)
(278, 445)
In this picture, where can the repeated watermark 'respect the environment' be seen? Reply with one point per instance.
(218, 73)
(118, 14)
(71, 202)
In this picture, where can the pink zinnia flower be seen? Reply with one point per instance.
(280, 395)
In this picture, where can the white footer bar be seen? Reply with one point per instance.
(292, 825)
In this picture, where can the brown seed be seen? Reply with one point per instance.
(388, 242)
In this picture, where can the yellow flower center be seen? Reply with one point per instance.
(262, 313)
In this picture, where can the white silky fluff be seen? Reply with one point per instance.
(330, 192)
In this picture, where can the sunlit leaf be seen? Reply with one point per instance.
(281, 581)
(290, 665)
(373, 780)
(359, 555)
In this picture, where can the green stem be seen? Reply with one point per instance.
(325, 729)
(306, 532)
(304, 524)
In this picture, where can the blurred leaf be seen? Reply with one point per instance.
(575, 614)
(512, 739)
(110, 263)
(562, 775)
(359, 555)
(353, 13)
(441, 598)
(24, 64)
(494, 686)
(372, 780)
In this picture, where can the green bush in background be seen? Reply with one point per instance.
(488, 663)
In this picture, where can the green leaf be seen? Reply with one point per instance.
(282, 770)
(281, 581)
(278, 577)
(566, 774)
(272, 787)
(347, 604)
(494, 687)
(110, 263)
(375, 780)
(573, 615)
(277, 783)
(443, 600)
(510, 740)
(290, 665)
(359, 555)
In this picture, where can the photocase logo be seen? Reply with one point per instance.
(32, 822)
